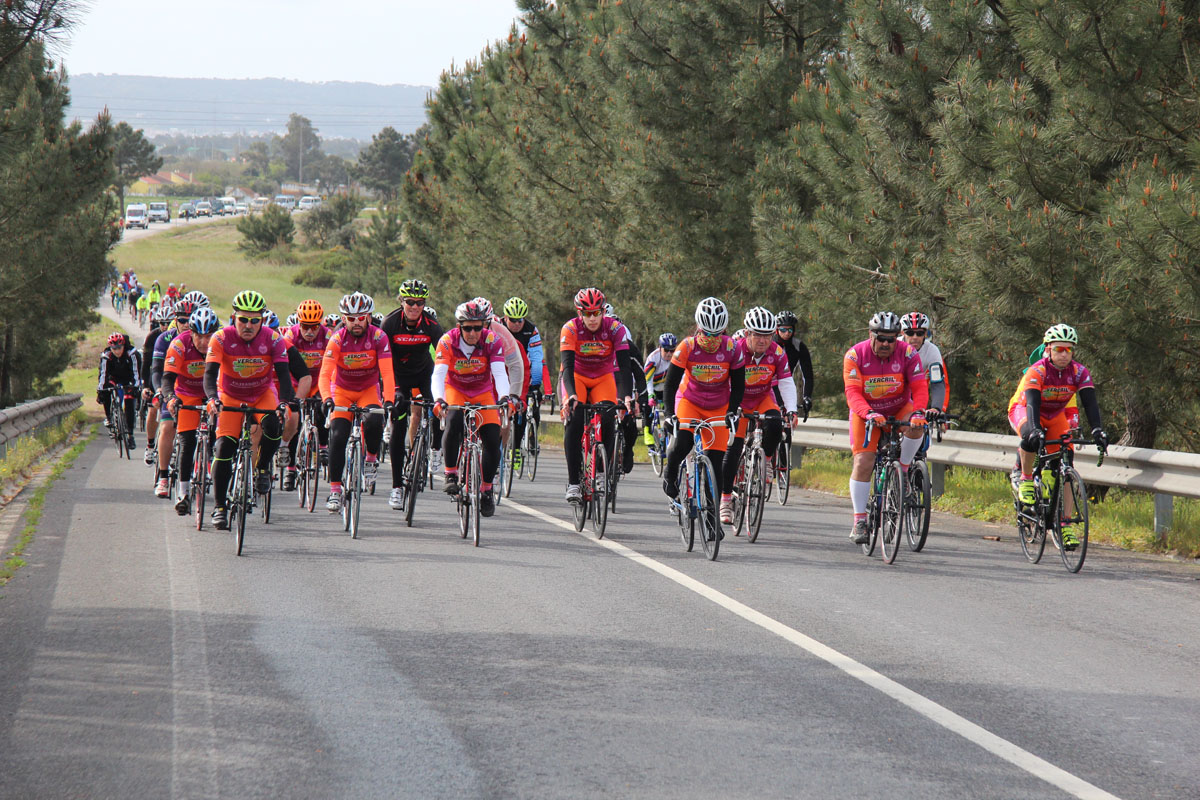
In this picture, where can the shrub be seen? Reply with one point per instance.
(332, 223)
(264, 232)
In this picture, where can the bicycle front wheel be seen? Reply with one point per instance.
(1071, 520)
(687, 518)
(349, 486)
(312, 471)
(893, 513)
(199, 488)
(656, 450)
(757, 482)
(476, 472)
(510, 468)
(783, 472)
(706, 506)
(599, 470)
(739, 495)
(917, 502)
(532, 448)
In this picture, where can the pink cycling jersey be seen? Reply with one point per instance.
(706, 376)
(595, 353)
(1057, 386)
(312, 352)
(886, 386)
(357, 362)
(247, 368)
(764, 373)
(471, 375)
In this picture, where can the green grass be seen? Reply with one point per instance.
(81, 376)
(206, 257)
(1123, 518)
(18, 460)
(14, 560)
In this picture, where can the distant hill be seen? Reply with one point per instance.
(253, 106)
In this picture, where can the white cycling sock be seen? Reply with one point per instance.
(859, 492)
(183, 489)
(908, 449)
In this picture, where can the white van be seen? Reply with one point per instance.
(136, 216)
(309, 202)
(228, 206)
(285, 201)
(159, 212)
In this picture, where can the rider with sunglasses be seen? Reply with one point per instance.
(883, 378)
(357, 359)
(917, 332)
(246, 361)
(309, 337)
(412, 334)
(1044, 394)
(799, 359)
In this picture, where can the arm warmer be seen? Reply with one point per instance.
(1033, 406)
(674, 376)
(787, 393)
(500, 376)
(1091, 406)
(568, 372)
(737, 388)
(286, 392)
(212, 370)
(806, 372)
(438, 381)
(624, 370)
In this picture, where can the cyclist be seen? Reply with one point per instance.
(883, 378)
(302, 384)
(118, 368)
(655, 371)
(243, 362)
(529, 339)
(143, 304)
(470, 368)
(154, 295)
(1039, 407)
(797, 353)
(356, 359)
(183, 383)
(629, 422)
(309, 337)
(172, 293)
(198, 297)
(412, 334)
(332, 322)
(145, 365)
(766, 368)
(918, 334)
(514, 358)
(165, 438)
(715, 368)
(595, 368)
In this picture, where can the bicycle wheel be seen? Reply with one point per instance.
(579, 511)
(687, 516)
(739, 496)
(312, 471)
(348, 484)
(656, 453)
(706, 505)
(618, 467)
(1073, 493)
(241, 500)
(499, 484)
(892, 529)
(756, 495)
(512, 473)
(533, 447)
(199, 488)
(874, 515)
(783, 472)
(462, 500)
(917, 501)
(599, 471)
(414, 475)
(266, 506)
(356, 505)
(475, 470)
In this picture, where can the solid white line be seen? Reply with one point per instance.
(1038, 767)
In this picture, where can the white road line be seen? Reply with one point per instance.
(1038, 767)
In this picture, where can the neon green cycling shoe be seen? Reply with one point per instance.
(1069, 540)
(1027, 493)
(648, 438)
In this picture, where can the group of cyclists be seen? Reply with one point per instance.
(127, 293)
(358, 364)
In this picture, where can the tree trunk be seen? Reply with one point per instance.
(1141, 422)
(5, 368)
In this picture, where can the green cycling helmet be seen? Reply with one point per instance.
(516, 308)
(414, 288)
(249, 300)
(1060, 333)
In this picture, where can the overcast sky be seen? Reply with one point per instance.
(379, 41)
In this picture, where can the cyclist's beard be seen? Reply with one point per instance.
(708, 343)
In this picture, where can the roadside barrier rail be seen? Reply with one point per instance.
(1164, 473)
(28, 418)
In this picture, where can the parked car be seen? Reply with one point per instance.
(242, 208)
(204, 209)
(159, 212)
(186, 211)
(136, 216)
(258, 204)
(285, 201)
(309, 202)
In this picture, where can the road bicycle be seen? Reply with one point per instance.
(919, 489)
(782, 479)
(1061, 502)
(201, 465)
(523, 456)
(416, 464)
(662, 440)
(308, 454)
(696, 504)
(470, 468)
(118, 427)
(886, 514)
(354, 482)
(593, 483)
(243, 496)
(618, 457)
(752, 482)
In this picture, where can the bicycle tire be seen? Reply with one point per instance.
(892, 527)
(687, 519)
(266, 506)
(461, 500)
(706, 506)
(511, 469)
(313, 470)
(618, 467)
(1072, 559)
(656, 459)
(739, 496)
(756, 495)
(783, 472)
(499, 484)
(532, 431)
(349, 487)
(199, 487)
(600, 487)
(356, 508)
(414, 466)
(476, 490)
(874, 503)
(579, 511)
(239, 506)
(917, 503)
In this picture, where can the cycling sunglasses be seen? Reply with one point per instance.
(915, 332)
(351, 320)
(885, 339)
(471, 328)
(249, 320)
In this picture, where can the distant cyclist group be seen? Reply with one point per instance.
(243, 405)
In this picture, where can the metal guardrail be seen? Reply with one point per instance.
(1164, 473)
(22, 420)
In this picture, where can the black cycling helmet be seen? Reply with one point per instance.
(785, 319)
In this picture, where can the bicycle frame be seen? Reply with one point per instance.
(470, 467)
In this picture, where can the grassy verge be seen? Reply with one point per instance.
(33, 515)
(29, 449)
(84, 370)
(206, 257)
(1123, 518)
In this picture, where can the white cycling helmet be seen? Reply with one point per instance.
(759, 320)
(712, 316)
(486, 305)
(198, 297)
(885, 322)
(357, 303)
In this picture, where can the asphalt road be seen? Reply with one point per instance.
(141, 658)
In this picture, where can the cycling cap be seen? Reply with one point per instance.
(292, 319)
(203, 320)
(915, 321)
(759, 320)
(115, 339)
(486, 305)
(310, 312)
(271, 320)
(197, 297)
(357, 303)
(249, 300)
(516, 308)
(413, 288)
(1060, 333)
(885, 322)
(668, 341)
(785, 319)
(590, 299)
(712, 316)
(471, 311)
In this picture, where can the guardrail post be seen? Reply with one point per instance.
(1164, 512)
(937, 474)
(797, 455)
